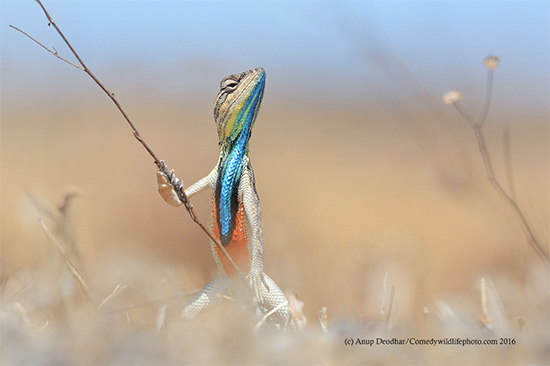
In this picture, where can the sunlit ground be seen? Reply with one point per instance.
(356, 200)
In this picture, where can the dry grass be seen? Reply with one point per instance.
(46, 319)
(375, 216)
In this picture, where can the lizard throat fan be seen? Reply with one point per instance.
(235, 111)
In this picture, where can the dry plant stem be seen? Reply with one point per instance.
(47, 49)
(154, 301)
(384, 296)
(161, 319)
(22, 289)
(72, 268)
(271, 312)
(488, 97)
(482, 146)
(484, 310)
(87, 71)
(390, 306)
(508, 161)
(159, 163)
(323, 318)
(117, 290)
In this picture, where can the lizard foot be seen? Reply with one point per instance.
(166, 190)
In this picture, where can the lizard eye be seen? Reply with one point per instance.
(228, 84)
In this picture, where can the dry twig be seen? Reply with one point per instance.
(390, 307)
(323, 317)
(453, 98)
(262, 321)
(176, 184)
(117, 290)
(70, 265)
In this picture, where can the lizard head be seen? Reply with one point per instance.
(237, 105)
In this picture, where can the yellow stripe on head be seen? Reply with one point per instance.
(237, 104)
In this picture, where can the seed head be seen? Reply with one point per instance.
(452, 97)
(491, 62)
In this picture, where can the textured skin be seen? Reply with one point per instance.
(236, 212)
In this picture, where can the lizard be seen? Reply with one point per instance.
(235, 218)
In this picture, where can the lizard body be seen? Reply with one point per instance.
(236, 212)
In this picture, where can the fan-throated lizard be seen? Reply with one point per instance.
(236, 218)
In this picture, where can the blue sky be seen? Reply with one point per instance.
(358, 49)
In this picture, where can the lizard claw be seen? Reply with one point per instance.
(165, 189)
(259, 287)
(265, 282)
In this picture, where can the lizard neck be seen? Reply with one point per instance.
(235, 111)
(230, 168)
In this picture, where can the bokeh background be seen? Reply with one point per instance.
(363, 173)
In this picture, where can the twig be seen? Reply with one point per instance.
(161, 319)
(159, 163)
(47, 49)
(70, 265)
(117, 290)
(508, 161)
(271, 312)
(465, 114)
(488, 97)
(153, 301)
(491, 62)
(510, 201)
(390, 307)
(61, 219)
(22, 289)
(484, 312)
(323, 318)
(110, 94)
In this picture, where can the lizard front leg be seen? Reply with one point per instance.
(168, 193)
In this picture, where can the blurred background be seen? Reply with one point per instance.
(363, 172)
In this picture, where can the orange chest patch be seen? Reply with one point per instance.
(237, 247)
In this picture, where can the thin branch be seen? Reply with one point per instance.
(323, 318)
(161, 319)
(159, 163)
(384, 296)
(153, 301)
(532, 240)
(488, 97)
(70, 265)
(110, 94)
(465, 114)
(22, 289)
(508, 161)
(271, 312)
(390, 306)
(54, 52)
(61, 219)
(508, 198)
(117, 290)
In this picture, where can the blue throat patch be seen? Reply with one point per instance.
(231, 164)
